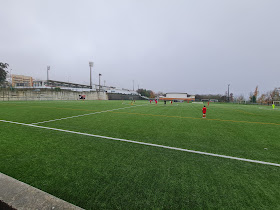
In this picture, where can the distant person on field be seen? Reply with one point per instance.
(156, 101)
(273, 106)
(204, 112)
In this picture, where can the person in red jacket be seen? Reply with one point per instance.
(204, 112)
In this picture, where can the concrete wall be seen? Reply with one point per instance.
(47, 94)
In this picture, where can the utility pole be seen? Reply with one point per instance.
(228, 92)
(11, 77)
(90, 79)
(133, 85)
(104, 82)
(48, 69)
(99, 81)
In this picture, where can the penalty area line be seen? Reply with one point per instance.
(147, 144)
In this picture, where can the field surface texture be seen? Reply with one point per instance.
(118, 155)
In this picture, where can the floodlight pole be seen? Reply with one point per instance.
(48, 68)
(133, 85)
(90, 79)
(99, 80)
(11, 77)
(228, 92)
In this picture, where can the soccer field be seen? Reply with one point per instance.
(92, 154)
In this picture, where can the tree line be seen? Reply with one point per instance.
(268, 97)
(147, 93)
(3, 72)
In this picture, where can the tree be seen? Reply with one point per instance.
(147, 93)
(262, 99)
(152, 94)
(159, 93)
(3, 72)
(240, 98)
(256, 93)
(274, 95)
(252, 98)
(231, 97)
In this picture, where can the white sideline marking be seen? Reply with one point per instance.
(81, 115)
(148, 144)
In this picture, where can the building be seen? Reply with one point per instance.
(61, 85)
(178, 97)
(119, 90)
(21, 81)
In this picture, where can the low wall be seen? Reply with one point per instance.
(118, 96)
(18, 195)
(47, 94)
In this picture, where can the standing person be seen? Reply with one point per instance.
(273, 106)
(156, 101)
(208, 103)
(204, 112)
(150, 101)
(171, 102)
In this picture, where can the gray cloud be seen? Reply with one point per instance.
(188, 46)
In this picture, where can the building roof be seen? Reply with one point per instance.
(175, 93)
(60, 83)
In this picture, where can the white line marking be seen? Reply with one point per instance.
(81, 115)
(148, 144)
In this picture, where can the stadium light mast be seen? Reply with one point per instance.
(228, 92)
(133, 85)
(99, 80)
(90, 77)
(11, 77)
(48, 69)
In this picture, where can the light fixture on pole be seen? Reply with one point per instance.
(99, 81)
(90, 80)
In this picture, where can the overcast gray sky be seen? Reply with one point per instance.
(193, 46)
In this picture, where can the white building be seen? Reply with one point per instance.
(178, 96)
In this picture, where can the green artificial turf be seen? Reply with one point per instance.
(96, 173)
